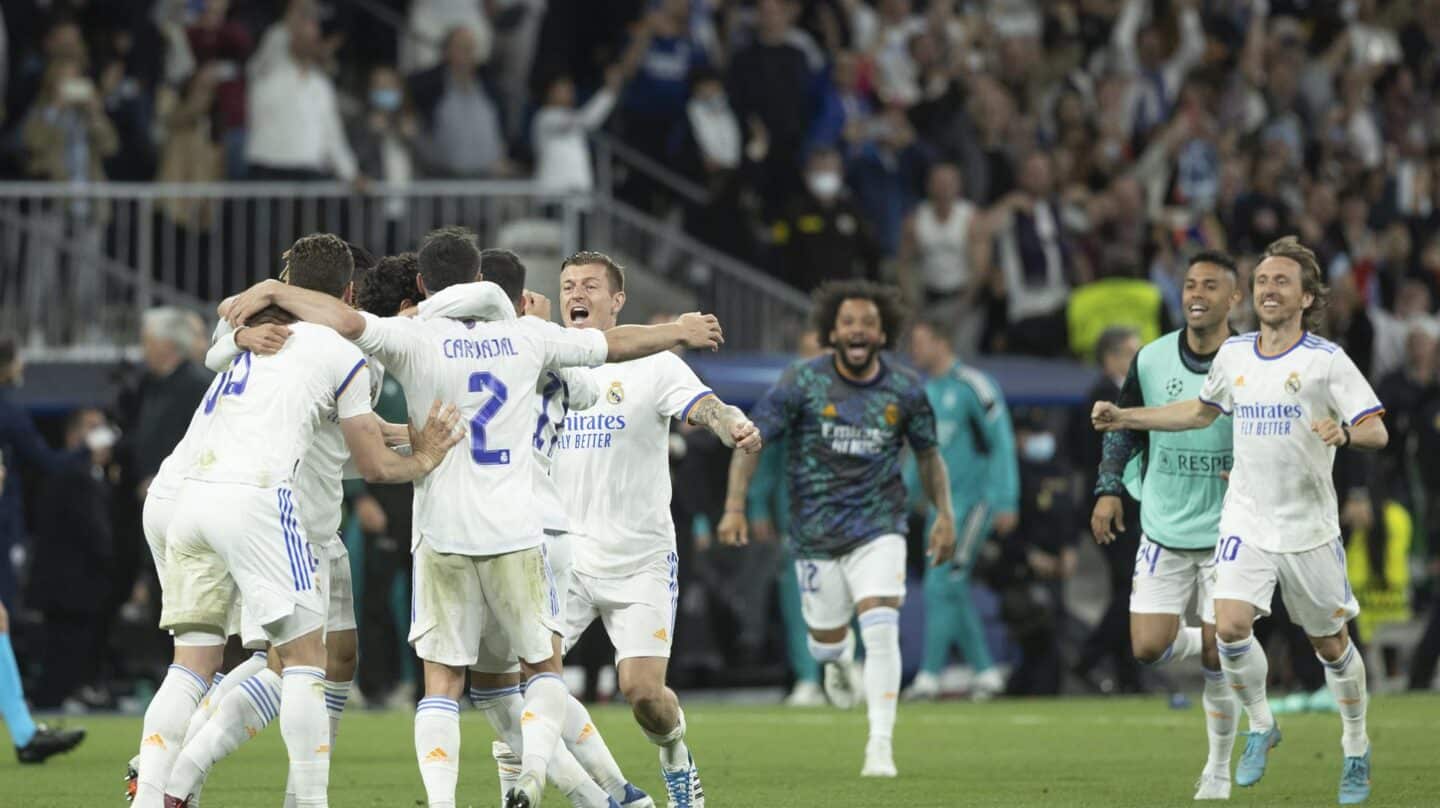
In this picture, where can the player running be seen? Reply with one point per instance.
(235, 528)
(848, 414)
(479, 568)
(1180, 487)
(1286, 388)
(613, 473)
(978, 446)
(241, 711)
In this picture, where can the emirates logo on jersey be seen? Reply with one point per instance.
(1292, 384)
(616, 393)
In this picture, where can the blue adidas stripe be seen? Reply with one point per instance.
(263, 700)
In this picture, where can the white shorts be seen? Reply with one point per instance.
(1165, 579)
(229, 541)
(638, 611)
(156, 519)
(1314, 583)
(830, 587)
(559, 561)
(339, 585)
(508, 602)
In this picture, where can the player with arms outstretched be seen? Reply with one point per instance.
(1180, 488)
(847, 415)
(1295, 398)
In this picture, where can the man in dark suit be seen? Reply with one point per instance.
(1114, 351)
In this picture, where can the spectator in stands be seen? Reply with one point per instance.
(1120, 297)
(709, 147)
(73, 553)
(844, 106)
(1110, 639)
(1140, 53)
(770, 85)
(461, 115)
(190, 153)
(63, 39)
(823, 235)
(663, 52)
(386, 139)
(432, 21)
(560, 133)
(1034, 266)
(169, 392)
(295, 132)
(887, 174)
(1261, 214)
(938, 261)
(131, 63)
(67, 137)
(224, 45)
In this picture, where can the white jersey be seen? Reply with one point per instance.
(613, 464)
(176, 465)
(318, 483)
(480, 500)
(560, 390)
(265, 410)
(944, 245)
(1281, 496)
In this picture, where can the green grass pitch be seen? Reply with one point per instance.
(1075, 752)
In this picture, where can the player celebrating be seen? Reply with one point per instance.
(262, 415)
(1286, 388)
(1180, 490)
(976, 440)
(479, 568)
(613, 473)
(849, 413)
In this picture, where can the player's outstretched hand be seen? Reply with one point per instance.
(744, 435)
(1329, 431)
(733, 530)
(537, 305)
(1105, 417)
(701, 331)
(942, 541)
(249, 302)
(439, 434)
(263, 339)
(1108, 519)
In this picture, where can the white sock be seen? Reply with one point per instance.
(504, 709)
(306, 729)
(336, 694)
(1186, 644)
(880, 629)
(225, 683)
(583, 740)
(673, 752)
(1246, 671)
(164, 731)
(824, 652)
(1222, 713)
(1346, 678)
(542, 720)
(240, 716)
(507, 767)
(437, 748)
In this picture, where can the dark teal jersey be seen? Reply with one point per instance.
(843, 442)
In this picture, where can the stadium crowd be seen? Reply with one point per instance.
(1034, 174)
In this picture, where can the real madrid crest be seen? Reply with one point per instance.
(616, 393)
(892, 414)
(1292, 384)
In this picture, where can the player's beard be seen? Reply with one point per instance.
(842, 352)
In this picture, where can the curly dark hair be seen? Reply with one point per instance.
(827, 300)
(391, 282)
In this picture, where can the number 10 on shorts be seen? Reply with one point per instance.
(1227, 549)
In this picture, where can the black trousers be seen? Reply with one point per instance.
(1110, 638)
(1422, 664)
(387, 557)
(71, 655)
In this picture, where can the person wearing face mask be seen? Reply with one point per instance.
(384, 138)
(823, 235)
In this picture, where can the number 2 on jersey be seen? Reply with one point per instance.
(485, 382)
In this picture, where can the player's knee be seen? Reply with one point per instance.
(645, 696)
(1147, 650)
(1229, 631)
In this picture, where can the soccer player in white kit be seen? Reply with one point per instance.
(1295, 398)
(495, 683)
(613, 473)
(243, 710)
(480, 571)
(262, 416)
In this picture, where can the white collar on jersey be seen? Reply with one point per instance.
(482, 300)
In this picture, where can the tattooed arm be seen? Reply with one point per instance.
(727, 422)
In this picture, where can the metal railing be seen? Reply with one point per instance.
(79, 263)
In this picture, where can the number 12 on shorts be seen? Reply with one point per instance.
(485, 382)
